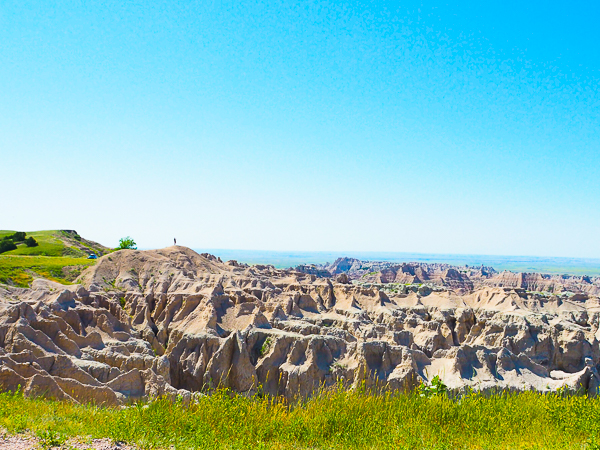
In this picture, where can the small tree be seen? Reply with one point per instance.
(19, 236)
(127, 243)
(7, 245)
(31, 242)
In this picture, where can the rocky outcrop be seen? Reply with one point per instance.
(538, 282)
(77, 246)
(175, 323)
(313, 269)
(462, 279)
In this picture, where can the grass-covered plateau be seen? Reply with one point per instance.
(48, 244)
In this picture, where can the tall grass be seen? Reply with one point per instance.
(335, 419)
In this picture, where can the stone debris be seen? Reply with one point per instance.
(171, 322)
(28, 442)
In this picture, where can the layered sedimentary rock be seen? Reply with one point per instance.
(172, 322)
(459, 278)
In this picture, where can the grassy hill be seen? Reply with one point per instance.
(60, 256)
(56, 243)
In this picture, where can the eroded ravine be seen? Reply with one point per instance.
(173, 322)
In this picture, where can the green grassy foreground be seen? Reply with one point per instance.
(331, 420)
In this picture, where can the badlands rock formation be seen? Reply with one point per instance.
(461, 278)
(172, 322)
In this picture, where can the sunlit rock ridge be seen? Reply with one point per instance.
(172, 322)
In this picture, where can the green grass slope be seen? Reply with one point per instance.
(21, 270)
(57, 243)
(60, 256)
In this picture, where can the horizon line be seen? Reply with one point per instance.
(342, 252)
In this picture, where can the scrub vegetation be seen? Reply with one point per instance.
(335, 419)
(127, 243)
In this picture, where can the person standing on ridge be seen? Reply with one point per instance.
(174, 241)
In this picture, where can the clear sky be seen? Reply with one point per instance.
(445, 127)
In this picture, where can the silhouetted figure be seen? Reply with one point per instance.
(174, 241)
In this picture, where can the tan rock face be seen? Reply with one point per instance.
(173, 323)
(460, 279)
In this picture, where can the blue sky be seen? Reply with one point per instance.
(381, 126)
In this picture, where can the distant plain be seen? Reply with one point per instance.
(540, 264)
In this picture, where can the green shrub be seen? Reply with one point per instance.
(436, 387)
(127, 243)
(7, 245)
(50, 439)
(31, 242)
(18, 236)
(265, 347)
